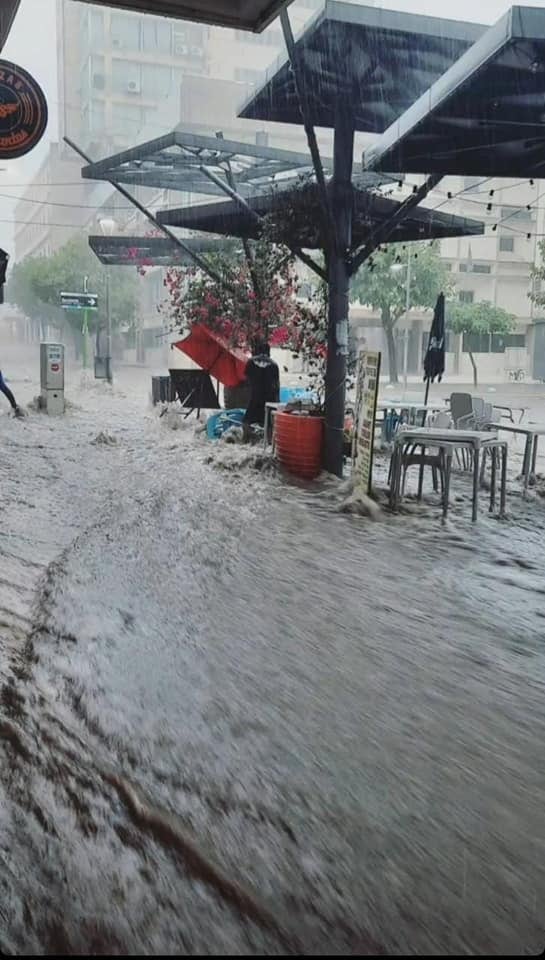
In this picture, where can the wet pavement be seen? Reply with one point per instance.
(233, 720)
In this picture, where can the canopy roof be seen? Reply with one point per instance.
(295, 217)
(8, 9)
(486, 116)
(241, 14)
(150, 251)
(177, 162)
(375, 62)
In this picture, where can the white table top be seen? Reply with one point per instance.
(518, 428)
(474, 437)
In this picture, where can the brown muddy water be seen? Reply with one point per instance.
(235, 721)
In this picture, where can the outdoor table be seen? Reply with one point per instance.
(448, 441)
(390, 408)
(532, 435)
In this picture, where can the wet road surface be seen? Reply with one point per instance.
(232, 720)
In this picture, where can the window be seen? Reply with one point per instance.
(516, 213)
(96, 32)
(156, 35)
(245, 75)
(507, 244)
(98, 78)
(466, 296)
(269, 37)
(127, 120)
(96, 117)
(492, 343)
(475, 268)
(515, 340)
(125, 31)
(476, 343)
(126, 77)
(156, 81)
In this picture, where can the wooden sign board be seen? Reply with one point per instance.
(367, 386)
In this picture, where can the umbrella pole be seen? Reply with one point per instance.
(426, 395)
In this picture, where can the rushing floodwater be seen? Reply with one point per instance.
(233, 720)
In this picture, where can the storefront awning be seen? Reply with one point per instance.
(241, 14)
(485, 116)
(374, 62)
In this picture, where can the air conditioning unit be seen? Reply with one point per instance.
(180, 49)
(133, 86)
(197, 51)
(117, 42)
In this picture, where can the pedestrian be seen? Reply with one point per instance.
(263, 377)
(9, 396)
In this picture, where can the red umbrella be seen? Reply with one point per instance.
(213, 354)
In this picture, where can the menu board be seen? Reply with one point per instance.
(367, 384)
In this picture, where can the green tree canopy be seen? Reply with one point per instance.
(478, 318)
(381, 283)
(35, 285)
(537, 274)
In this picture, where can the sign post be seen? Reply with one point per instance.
(368, 376)
(87, 302)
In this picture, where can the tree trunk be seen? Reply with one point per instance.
(474, 365)
(388, 325)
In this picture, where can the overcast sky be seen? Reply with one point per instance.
(32, 43)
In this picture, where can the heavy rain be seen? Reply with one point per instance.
(272, 421)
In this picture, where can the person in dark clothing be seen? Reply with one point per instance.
(263, 376)
(9, 396)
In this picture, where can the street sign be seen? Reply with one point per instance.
(79, 301)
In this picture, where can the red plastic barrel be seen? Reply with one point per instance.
(299, 442)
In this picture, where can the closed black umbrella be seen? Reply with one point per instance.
(434, 361)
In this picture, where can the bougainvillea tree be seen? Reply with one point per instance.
(257, 300)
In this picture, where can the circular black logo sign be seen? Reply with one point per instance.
(23, 111)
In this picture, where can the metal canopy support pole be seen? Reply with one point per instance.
(338, 263)
(230, 190)
(383, 233)
(164, 229)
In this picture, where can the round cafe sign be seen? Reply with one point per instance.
(23, 111)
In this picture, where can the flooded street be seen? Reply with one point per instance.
(233, 720)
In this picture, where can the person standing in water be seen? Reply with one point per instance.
(9, 396)
(263, 376)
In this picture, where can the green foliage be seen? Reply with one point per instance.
(380, 285)
(385, 289)
(481, 317)
(35, 285)
(537, 273)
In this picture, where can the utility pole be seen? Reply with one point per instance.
(406, 332)
(85, 325)
(108, 328)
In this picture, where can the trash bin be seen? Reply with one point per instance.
(299, 441)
